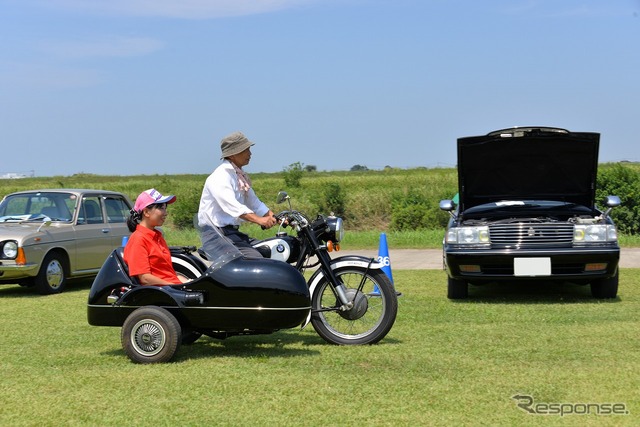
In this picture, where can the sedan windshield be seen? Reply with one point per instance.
(507, 208)
(39, 206)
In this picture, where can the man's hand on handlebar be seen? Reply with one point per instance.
(267, 221)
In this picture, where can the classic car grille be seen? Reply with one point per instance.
(531, 235)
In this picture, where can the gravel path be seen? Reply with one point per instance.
(425, 259)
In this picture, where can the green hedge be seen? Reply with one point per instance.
(623, 181)
(385, 200)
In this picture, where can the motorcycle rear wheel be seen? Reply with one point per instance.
(371, 318)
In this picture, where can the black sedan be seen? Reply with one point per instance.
(525, 210)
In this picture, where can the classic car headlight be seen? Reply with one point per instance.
(10, 249)
(336, 228)
(594, 233)
(468, 235)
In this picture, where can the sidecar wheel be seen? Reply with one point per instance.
(372, 316)
(151, 335)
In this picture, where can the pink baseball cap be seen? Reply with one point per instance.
(150, 197)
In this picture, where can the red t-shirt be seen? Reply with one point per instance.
(147, 252)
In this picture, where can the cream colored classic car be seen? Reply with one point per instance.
(50, 236)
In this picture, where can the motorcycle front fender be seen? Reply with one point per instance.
(341, 262)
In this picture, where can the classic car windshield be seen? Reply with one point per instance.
(37, 207)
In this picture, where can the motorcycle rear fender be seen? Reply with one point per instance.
(341, 262)
(195, 267)
(187, 258)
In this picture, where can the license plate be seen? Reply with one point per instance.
(532, 266)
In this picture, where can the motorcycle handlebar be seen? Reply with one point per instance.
(277, 220)
(290, 218)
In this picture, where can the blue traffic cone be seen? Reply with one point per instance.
(383, 258)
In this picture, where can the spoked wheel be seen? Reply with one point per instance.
(375, 306)
(151, 335)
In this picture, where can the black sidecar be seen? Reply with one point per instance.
(231, 295)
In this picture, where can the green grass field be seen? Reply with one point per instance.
(444, 363)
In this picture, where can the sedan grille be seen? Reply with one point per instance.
(531, 235)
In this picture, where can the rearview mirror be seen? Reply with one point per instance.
(282, 197)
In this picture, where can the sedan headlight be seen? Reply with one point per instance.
(468, 235)
(594, 233)
(10, 250)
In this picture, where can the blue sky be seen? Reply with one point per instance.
(131, 87)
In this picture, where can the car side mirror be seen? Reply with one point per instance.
(612, 201)
(447, 205)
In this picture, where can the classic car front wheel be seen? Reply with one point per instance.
(151, 335)
(51, 278)
(605, 288)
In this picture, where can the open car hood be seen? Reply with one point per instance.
(528, 163)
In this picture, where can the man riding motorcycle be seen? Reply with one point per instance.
(228, 199)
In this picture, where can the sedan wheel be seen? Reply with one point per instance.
(457, 289)
(605, 288)
(51, 278)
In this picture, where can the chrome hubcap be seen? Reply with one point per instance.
(55, 274)
(148, 337)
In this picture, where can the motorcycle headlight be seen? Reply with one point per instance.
(468, 235)
(10, 250)
(594, 233)
(336, 228)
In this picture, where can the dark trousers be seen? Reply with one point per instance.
(240, 240)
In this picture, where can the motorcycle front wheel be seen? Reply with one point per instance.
(375, 306)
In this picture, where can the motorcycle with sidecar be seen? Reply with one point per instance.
(348, 299)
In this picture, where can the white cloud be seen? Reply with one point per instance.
(107, 47)
(187, 9)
